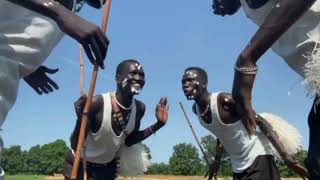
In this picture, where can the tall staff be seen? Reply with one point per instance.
(194, 133)
(84, 120)
(195, 136)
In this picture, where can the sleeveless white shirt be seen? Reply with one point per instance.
(242, 149)
(300, 38)
(103, 146)
(26, 40)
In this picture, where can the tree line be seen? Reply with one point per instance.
(185, 160)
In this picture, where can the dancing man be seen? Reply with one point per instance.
(251, 157)
(292, 30)
(114, 122)
(29, 31)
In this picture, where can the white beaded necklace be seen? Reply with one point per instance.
(205, 111)
(122, 106)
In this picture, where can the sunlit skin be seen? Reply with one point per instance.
(279, 20)
(93, 40)
(194, 80)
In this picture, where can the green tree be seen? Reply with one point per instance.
(33, 160)
(13, 160)
(159, 168)
(147, 149)
(285, 171)
(53, 157)
(185, 160)
(209, 146)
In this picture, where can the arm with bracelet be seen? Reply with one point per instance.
(280, 18)
(162, 117)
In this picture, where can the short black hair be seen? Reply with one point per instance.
(201, 72)
(123, 64)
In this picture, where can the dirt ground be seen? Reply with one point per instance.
(160, 177)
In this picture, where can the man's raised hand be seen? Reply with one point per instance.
(162, 110)
(40, 82)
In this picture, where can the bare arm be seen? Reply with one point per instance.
(274, 139)
(279, 20)
(215, 164)
(162, 117)
(138, 136)
(94, 124)
(89, 35)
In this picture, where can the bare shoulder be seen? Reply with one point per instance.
(225, 98)
(97, 103)
(141, 107)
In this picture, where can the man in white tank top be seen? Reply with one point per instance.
(114, 122)
(29, 31)
(251, 158)
(292, 29)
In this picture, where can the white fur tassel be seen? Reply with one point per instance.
(312, 72)
(133, 161)
(288, 134)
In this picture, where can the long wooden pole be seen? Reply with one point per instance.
(194, 133)
(81, 71)
(84, 121)
(195, 136)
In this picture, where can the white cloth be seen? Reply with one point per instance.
(288, 135)
(103, 146)
(26, 40)
(133, 160)
(242, 149)
(298, 41)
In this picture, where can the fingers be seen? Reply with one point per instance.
(103, 43)
(52, 83)
(163, 101)
(96, 47)
(44, 89)
(97, 52)
(49, 70)
(89, 53)
(38, 91)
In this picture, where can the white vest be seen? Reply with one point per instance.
(300, 38)
(26, 40)
(104, 146)
(242, 149)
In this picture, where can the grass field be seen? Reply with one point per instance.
(28, 177)
(32, 177)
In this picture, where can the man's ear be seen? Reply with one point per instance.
(118, 78)
(204, 84)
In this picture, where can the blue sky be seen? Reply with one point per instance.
(166, 37)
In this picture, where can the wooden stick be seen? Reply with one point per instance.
(84, 121)
(81, 72)
(194, 133)
(195, 136)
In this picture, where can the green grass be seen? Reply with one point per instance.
(25, 177)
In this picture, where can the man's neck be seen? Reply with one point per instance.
(203, 100)
(123, 98)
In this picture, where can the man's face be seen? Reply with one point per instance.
(132, 79)
(191, 84)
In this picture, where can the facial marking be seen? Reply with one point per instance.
(50, 3)
(124, 83)
(136, 89)
(138, 66)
